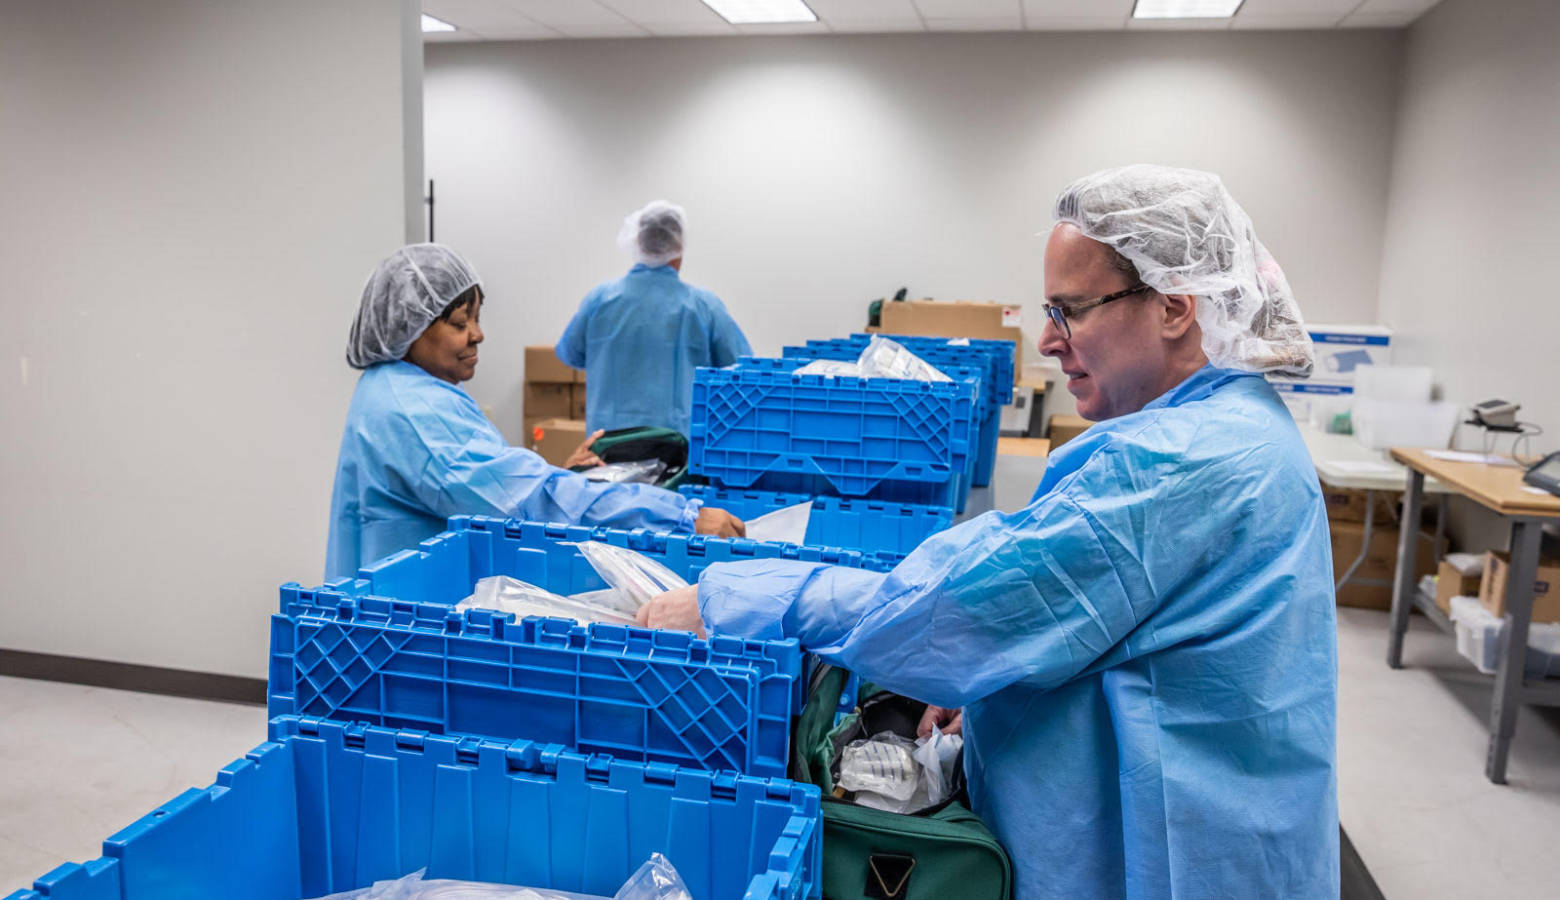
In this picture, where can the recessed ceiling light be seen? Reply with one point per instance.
(1185, 9)
(762, 12)
(432, 24)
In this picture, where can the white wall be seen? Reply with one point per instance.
(822, 172)
(1474, 216)
(194, 194)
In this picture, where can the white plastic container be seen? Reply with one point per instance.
(1478, 640)
(1407, 384)
(1381, 424)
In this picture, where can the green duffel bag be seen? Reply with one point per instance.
(636, 444)
(870, 854)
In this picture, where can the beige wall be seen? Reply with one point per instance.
(1474, 212)
(820, 173)
(194, 195)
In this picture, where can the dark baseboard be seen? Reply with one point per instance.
(131, 677)
(1356, 882)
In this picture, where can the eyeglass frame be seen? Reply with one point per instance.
(1058, 314)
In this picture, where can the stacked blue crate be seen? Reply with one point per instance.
(756, 425)
(994, 357)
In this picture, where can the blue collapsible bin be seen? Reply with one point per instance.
(994, 355)
(388, 648)
(756, 425)
(327, 806)
(875, 527)
(993, 358)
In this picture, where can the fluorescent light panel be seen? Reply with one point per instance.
(1185, 9)
(762, 12)
(429, 23)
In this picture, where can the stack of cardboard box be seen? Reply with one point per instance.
(1346, 522)
(1063, 427)
(554, 405)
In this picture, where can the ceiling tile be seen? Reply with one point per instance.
(999, 23)
(879, 26)
(1385, 6)
(1277, 23)
(1379, 20)
(786, 28)
(690, 29)
(619, 30)
(452, 37)
(572, 13)
(1068, 23)
(1276, 8)
(968, 9)
(476, 15)
(1078, 9)
(645, 11)
(836, 11)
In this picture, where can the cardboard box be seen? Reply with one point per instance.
(1380, 563)
(542, 365)
(1063, 428)
(1546, 587)
(1451, 583)
(1345, 505)
(577, 401)
(1022, 446)
(548, 401)
(555, 439)
(962, 318)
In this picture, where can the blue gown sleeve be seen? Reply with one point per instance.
(471, 471)
(727, 342)
(571, 347)
(1040, 596)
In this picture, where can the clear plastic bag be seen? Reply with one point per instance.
(511, 595)
(644, 471)
(636, 577)
(788, 525)
(937, 753)
(829, 368)
(655, 880)
(884, 765)
(884, 358)
(416, 887)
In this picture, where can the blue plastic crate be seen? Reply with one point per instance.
(994, 359)
(650, 696)
(871, 526)
(326, 806)
(888, 439)
(388, 648)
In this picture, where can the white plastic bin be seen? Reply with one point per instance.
(1381, 424)
(1478, 640)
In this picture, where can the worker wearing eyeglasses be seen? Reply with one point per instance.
(1145, 655)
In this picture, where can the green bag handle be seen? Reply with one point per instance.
(810, 750)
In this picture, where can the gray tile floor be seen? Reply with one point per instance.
(78, 763)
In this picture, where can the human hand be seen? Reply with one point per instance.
(582, 455)
(948, 721)
(719, 523)
(675, 610)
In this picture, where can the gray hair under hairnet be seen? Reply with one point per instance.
(1185, 234)
(402, 298)
(654, 235)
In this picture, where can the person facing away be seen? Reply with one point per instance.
(1146, 655)
(417, 449)
(640, 337)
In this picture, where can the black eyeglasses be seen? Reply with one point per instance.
(1059, 314)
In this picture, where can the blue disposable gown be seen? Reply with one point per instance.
(1146, 653)
(417, 450)
(639, 339)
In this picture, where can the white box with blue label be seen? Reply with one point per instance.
(1340, 350)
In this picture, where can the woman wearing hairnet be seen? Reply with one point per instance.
(1146, 654)
(639, 338)
(417, 449)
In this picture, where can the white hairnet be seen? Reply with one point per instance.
(654, 235)
(402, 298)
(1185, 234)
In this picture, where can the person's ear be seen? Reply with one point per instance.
(1180, 315)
